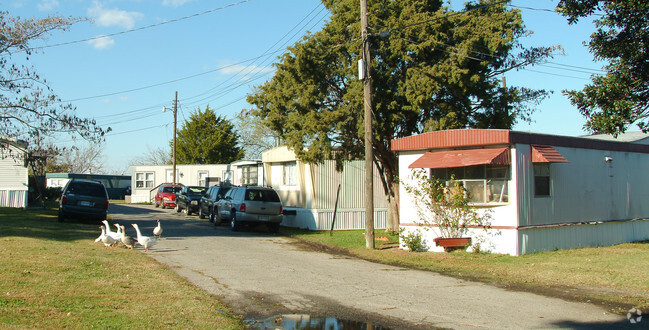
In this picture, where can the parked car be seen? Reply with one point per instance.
(188, 197)
(166, 195)
(251, 205)
(83, 199)
(206, 206)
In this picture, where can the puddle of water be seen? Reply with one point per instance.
(308, 322)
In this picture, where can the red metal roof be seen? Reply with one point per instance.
(466, 138)
(546, 154)
(461, 158)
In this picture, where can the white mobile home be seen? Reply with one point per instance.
(546, 192)
(145, 179)
(14, 175)
(308, 192)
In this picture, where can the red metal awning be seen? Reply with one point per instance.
(546, 154)
(461, 158)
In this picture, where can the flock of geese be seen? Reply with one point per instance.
(112, 238)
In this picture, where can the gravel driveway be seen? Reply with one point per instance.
(259, 275)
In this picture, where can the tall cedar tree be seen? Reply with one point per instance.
(613, 102)
(29, 108)
(430, 66)
(207, 139)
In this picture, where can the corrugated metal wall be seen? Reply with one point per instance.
(352, 189)
(346, 219)
(588, 188)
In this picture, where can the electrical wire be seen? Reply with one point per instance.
(144, 27)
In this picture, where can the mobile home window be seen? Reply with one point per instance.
(144, 180)
(290, 174)
(202, 177)
(484, 183)
(542, 180)
(249, 175)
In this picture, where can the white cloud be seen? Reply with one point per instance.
(114, 17)
(102, 42)
(47, 5)
(174, 3)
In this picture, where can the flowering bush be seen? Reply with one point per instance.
(444, 205)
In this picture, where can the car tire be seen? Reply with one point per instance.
(156, 204)
(61, 217)
(187, 211)
(201, 215)
(234, 224)
(162, 205)
(177, 208)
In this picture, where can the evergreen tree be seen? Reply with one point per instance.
(620, 98)
(207, 139)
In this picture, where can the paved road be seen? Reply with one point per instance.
(259, 275)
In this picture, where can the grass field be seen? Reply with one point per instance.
(54, 275)
(616, 276)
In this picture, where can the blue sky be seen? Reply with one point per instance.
(214, 52)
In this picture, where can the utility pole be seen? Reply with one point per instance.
(369, 152)
(174, 147)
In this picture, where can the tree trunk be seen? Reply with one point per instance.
(387, 163)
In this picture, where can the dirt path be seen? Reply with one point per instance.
(260, 275)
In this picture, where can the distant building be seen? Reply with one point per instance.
(14, 174)
(147, 178)
(546, 192)
(117, 186)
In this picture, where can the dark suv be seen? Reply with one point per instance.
(207, 204)
(251, 205)
(83, 199)
(188, 197)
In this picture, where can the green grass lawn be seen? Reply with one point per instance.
(53, 275)
(616, 276)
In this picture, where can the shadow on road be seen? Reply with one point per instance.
(175, 225)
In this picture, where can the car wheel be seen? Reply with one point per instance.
(234, 224)
(217, 219)
(188, 212)
(61, 217)
(162, 205)
(156, 204)
(210, 216)
(177, 208)
(201, 215)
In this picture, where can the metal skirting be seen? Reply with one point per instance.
(346, 219)
(13, 198)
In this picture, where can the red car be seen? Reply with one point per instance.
(166, 195)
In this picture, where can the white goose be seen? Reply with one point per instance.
(111, 233)
(157, 231)
(128, 241)
(145, 241)
(106, 239)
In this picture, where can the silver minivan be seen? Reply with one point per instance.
(251, 205)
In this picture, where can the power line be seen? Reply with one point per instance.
(144, 27)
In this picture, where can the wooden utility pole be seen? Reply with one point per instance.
(369, 153)
(174, 147)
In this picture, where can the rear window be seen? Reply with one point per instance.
(221, 193)
(171, 189)
(87, 189)
(261, 195)
(195, 191)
